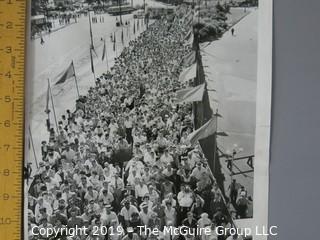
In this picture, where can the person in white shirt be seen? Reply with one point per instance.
(170, 214)
(127, 211)
(166, 158)
(42, 204)
(128, 123)
(134, 164)
(145, 214)
(185, 200)
(91, 194)
(198, 171)
(149, 156)
(106, 197)
(141, 190)
(108, 216)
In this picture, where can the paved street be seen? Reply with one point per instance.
(232, 66)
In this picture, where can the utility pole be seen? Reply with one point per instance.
(119, 2)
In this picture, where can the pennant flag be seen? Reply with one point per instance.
(193, 94)
(189, 59)
(91, 37)
(92, 67)
(68, 73)
(205, 131)
(189, 73)
(104, 51)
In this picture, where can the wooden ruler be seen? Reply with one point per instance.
(12, 61)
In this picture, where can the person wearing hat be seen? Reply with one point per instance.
(219, 218)
(128, 123)
(75, 202)
(42, 207)
(134, 164)
(190, 221)
(44, 150)
(94, 207)
(170, 214)
(155, 221)
(135, 222)
(242, 205)
(75, 219)
(167, 187)
(44, 224)
(145, 213)
(198, 171)
(126, 213)
(108, 216)
(166, 157)
(52, 157)
(168, 171)
(149, 156)
(131, 235)
(141, 190)
(91, 194)
(204, 220)
(106, 196)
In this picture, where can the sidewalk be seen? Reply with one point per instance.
(232, 72)
(53, 29)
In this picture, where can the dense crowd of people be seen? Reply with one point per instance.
(122, 159)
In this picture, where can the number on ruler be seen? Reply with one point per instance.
(8, 49)
(7, 123)
(7, 99)
(9, 25)
(8, 74)
(6, 147)
(6, 172)
(5, 221)
(5, 196)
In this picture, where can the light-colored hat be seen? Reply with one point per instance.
(129, 229)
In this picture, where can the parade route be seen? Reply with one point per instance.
(117, 144)
(48, 61)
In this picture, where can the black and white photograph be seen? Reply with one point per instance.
(143, 119)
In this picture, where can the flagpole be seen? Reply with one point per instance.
(106, 54)
(115, 44)
(215, 143)
(91, 38)
(54, 111)
(47, 111)
(32, 144)
(75, 79)
(92, 67)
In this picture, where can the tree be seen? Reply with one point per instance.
(38, 7)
